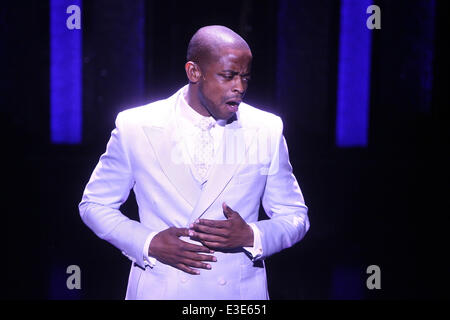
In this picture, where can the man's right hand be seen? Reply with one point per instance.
(167, 248)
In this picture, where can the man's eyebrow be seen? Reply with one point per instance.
(235, 72)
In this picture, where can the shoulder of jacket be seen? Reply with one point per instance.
(148, 114)
(255, 117)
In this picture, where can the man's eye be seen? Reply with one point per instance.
(228, 76)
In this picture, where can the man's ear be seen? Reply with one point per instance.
(193, 71)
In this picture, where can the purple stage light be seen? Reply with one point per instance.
(65, 74)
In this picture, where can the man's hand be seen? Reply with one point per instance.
(223, 234)
(169, 249)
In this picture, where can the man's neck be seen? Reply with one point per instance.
(191, 97)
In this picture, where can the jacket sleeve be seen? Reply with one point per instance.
(107, 189)
(283, 202)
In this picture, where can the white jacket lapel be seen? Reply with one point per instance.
(168, 149)
(231, 154)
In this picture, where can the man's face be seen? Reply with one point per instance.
(224, 82)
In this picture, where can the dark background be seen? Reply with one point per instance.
(384, 204)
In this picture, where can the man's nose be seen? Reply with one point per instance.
(239, 86)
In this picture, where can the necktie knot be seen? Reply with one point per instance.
(205, 123)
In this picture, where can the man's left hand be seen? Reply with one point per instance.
(231, 233)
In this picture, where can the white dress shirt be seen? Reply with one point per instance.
(186, 118)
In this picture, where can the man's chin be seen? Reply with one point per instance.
(228, 112)
(229, 117)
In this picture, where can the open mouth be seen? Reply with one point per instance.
(233, 105)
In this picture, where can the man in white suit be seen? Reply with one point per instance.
(200, 163)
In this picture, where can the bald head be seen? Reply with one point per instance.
(208, 41)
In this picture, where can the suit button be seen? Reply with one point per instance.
(184, 279)
(222, 281)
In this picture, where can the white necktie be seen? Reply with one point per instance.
(204, 148)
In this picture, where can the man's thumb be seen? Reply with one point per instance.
(227, 210)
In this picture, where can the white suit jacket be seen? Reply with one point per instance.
(252, 166)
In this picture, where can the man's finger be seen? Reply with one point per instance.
(195, 248)
(208, 237)
(211, 230)
(196, 264)
(215, 245)
(186, 269)
(228, 211)
(214, 223)
(182, 232)
(200, 257)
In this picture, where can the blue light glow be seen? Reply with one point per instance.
(353, 92)
(65, 76)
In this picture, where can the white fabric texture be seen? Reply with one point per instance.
(203, 148)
